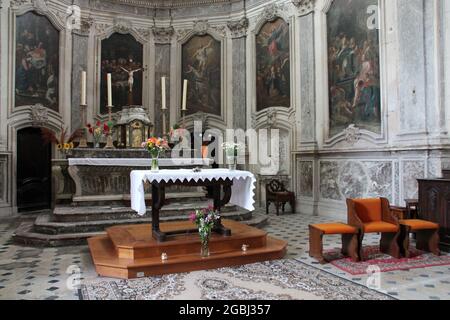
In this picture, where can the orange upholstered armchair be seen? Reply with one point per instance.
(375, 216)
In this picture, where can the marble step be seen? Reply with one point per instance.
(96, 213)
(47, 225)
(26, 234)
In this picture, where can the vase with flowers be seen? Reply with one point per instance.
(98, 130)
(63, 141)
(231, 151)
(155, 146)
(205, 219)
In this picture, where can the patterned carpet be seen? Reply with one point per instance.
(276, 280)
(384, 262)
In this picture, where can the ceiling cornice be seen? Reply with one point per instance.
(164, 4)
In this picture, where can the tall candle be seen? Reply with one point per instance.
(108, 77)
(184, 95)
(163, 93)
(83, 88)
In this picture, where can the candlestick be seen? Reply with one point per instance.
(109, 139)
(83, 138)
(83, 88)
(164, 132)
(184, 95)
(108, 77)
(163, 93)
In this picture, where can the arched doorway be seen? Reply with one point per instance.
(33, 171)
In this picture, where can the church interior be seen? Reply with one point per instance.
(224, 150)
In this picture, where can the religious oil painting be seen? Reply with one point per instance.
(37, 61)
(354, 66)
(201, 66)
(122, 56)
(273, 65)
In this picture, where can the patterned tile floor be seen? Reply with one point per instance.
(50, 273)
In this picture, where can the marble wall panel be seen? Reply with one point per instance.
(329, 185)
(79, 63)
(2, 180)
(412, 170)
(381, 179)
(239, 84)
(306, 178)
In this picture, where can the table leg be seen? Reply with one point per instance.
(158, 198)
(219, 202)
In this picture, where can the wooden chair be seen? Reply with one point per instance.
(375, 216)
(276, 193)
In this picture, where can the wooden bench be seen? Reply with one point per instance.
(350, 240)
(427, 236)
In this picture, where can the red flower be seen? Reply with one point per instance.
(98, 124)
(105, 127)
(89, 125)
(91, 130)
(192, 217)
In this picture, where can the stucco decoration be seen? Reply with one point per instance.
(304, 6)
(39, 115)
(238, 28)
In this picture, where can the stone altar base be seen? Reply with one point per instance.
(128, 252)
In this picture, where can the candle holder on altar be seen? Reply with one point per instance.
(109, 138)
(83, 139)
(164, 124)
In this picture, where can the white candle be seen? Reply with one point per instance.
(184, 95)
(108, 77)
(83, 88)
(163, 93)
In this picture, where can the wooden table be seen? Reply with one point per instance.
(221, 193)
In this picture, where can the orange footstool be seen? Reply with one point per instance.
(427, 236)
(350, 240)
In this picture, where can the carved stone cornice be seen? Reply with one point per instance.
(122, 25)
(163, 35)
(201, 28)
(304, 6)
(238, 28)
(18, 3)
(164, 4)
(85, 27)
(271, 12)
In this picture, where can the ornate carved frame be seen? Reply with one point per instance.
(102, 31)
(352, 135)
(219, 33)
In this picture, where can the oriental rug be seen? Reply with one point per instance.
(274, 280)
(385, 263)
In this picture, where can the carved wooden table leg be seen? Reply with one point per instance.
(219, 202)
(158, 198)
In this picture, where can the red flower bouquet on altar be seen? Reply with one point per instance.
(155, 146)
(98, 131)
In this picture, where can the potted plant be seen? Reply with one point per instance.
(154, 146)
(205, 219)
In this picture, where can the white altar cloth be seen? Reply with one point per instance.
(139, 162)
(242, 191)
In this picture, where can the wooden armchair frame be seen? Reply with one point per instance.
(389, 242)
(277, 193)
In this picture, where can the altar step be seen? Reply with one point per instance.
(48, 233)
(95, 213)
(130, 251)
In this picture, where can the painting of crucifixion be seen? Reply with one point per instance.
(201, 64)
(122, 56)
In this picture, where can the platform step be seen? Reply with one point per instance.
(26, 235)
(46, 225)
(93, 213)
(183, 251)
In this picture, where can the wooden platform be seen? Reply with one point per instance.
(131, 252)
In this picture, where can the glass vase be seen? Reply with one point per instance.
(204, 248)
(155, 164)
(231, 161)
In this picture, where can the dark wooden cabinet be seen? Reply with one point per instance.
(434, 205)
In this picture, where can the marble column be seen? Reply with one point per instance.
(307, 110)
(79, 63)
(239, 83)
(162, 69)
(411, 68)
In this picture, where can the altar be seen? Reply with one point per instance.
(173, 247)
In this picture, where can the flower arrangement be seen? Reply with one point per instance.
(205, 219)
(155, 146)
(99, 130)
(231, 151)
(63, 141)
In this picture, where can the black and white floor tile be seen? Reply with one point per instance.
(55, 273)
